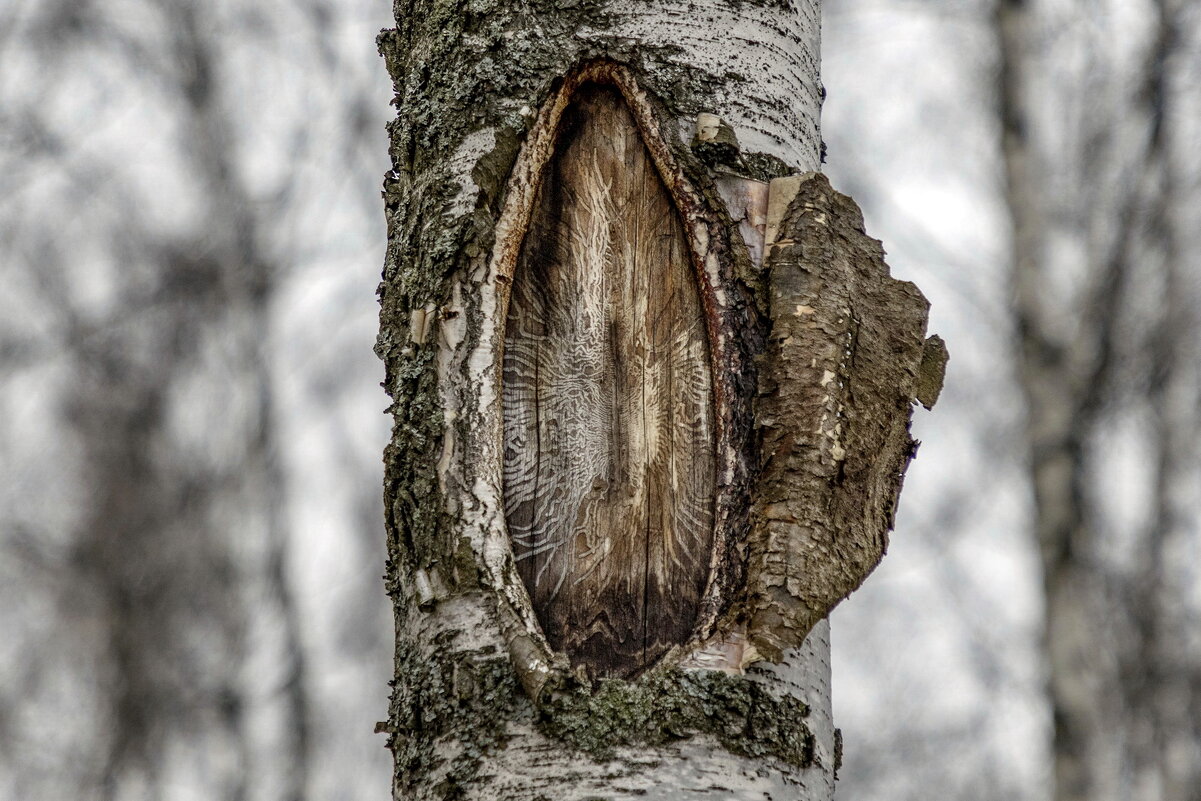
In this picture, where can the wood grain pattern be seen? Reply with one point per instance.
(608, 410)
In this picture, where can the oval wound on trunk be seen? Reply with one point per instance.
(609, 464)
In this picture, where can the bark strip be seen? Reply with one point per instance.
(836, 389)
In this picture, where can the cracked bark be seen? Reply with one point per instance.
(496, 694)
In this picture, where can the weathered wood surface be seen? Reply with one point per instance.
(608, 411)
(841, 373)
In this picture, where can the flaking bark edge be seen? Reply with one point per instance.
(837, 384)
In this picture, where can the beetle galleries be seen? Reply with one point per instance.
(608, 400)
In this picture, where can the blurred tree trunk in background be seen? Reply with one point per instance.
(183, 547)
(1105, 331)
(160, 598)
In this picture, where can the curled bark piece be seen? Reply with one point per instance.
(836, 388)
(715, 141)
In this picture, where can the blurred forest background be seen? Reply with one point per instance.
(191, 424)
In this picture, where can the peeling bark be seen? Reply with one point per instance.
(486, 704)
(836, 389)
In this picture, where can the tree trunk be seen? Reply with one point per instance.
(1056, 434)
(1082, 362)
(601, 585)
(184, 541)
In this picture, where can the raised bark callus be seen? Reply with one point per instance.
(843, 366)
(483, 706)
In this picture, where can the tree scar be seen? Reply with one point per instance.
(609, 441)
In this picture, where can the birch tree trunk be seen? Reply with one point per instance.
(1057, 428)
(585, 586)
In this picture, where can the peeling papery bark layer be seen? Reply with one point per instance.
(843, 367)
(483, 707)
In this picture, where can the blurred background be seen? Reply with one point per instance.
(191, 425)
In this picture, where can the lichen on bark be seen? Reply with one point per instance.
(474, 696)
(470, 78)
(671, 704)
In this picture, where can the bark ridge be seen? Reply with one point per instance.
(837, 384)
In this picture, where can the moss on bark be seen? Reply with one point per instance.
(473, 71)
(674, 705)
(473, 698)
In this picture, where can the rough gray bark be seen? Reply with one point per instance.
(485, 706)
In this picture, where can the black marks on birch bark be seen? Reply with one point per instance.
(609, 460)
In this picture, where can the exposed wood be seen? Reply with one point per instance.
(482, 707)
(609, 453)
(736, 332)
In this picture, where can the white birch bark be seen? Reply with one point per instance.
(469, 659)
